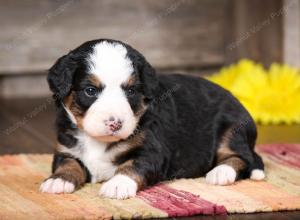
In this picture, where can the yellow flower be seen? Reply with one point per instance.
(271, 97)
(228, 75)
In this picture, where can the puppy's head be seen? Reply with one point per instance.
(104, 87)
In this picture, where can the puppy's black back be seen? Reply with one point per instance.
(194, 114)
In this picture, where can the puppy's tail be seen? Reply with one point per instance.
(257, 170)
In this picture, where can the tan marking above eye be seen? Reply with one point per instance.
(94, 80)
(131, 81)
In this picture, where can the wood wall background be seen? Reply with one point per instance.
(170, 33)
(191, 36)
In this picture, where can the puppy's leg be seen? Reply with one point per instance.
(67, 176)
(257, 169)
(229, 166)
(235, 158)
(124, 184)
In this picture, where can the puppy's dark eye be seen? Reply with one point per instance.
(91, 91)
(130, 91)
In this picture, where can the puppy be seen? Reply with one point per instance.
(120, 123)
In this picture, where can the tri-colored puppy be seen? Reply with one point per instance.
(120, 123)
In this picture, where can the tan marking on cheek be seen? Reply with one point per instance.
(75, 109)
(79, 114)
(141, 110)
(68, 100)
(128, 169)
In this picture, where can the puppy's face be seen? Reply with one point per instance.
(107, 94)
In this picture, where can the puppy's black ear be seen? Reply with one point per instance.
(60, 76)
(149, 79)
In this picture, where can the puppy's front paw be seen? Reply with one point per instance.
(119, 187)
(57, 185)
(221, 175)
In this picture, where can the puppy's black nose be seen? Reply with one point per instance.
(114, 124)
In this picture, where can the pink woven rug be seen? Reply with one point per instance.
(21, 175)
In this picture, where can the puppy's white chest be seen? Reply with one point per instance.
(98, 163)
(93, 155)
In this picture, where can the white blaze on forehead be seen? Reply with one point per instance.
(109, 62)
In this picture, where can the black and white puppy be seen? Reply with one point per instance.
(120, 122)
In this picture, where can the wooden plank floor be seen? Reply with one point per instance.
(27, 126)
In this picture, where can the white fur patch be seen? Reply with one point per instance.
(57, 186)
(221, 175)
(257, 174)
(119, 187)
(109, 62)
(93, 155)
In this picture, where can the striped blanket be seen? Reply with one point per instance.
(21, 175)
